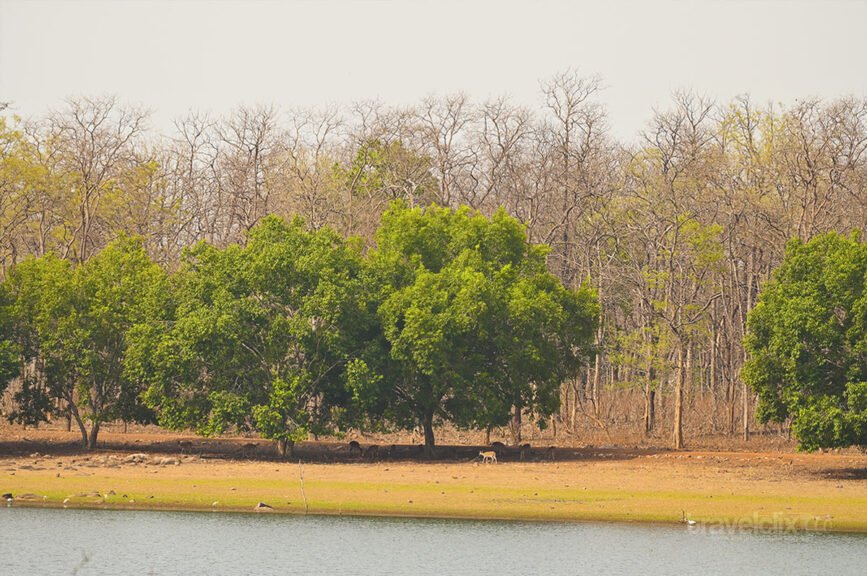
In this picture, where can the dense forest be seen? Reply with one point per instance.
(676, 233)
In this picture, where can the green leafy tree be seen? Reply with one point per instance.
(472, 322)
(258, 337)
(71, 327)
(10, 363)
(807, 343)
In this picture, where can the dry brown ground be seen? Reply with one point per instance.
(772, 488)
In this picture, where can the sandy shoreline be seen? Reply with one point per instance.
(717, 490)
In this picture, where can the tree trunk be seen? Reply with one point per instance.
(94, 433)
(515, 426)
(712, 369)
(285, 448)
(649, 409)
(573, 417)
(750, 281)
(596, 385)
(427, 423)
(73, 411)
(678, 399)
(730, 392)
(649, 397)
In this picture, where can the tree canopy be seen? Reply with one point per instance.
(807, 342)
(9, 354)
(70, 328)
(258, 336)
(677, 229)
(472, 321)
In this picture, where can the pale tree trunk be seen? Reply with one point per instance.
(596, 385)
(730, 393)
(73, 411)
(688, 373)
(94, 434)
(285, 448)
(573, 416)
(678, 398)
(712, 369)
(649, 392)
(749, 307)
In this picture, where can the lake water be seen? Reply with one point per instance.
(90, 542)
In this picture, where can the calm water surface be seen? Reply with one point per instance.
(91, 542)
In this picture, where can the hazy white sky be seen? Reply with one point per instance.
(212, 55)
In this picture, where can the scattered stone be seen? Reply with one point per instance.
(135, 458)
(166, 461)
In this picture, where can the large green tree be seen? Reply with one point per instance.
(10, 364)
(473, 324)
(807, 342)
(258, 336)
(70, 327)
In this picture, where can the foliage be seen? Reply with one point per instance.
(9, 351)
(258, 336)
(808, 342)
(71, 327)
(473, 323)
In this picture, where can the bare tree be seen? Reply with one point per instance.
(95, 140)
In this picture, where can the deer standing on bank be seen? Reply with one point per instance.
(488, 456)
